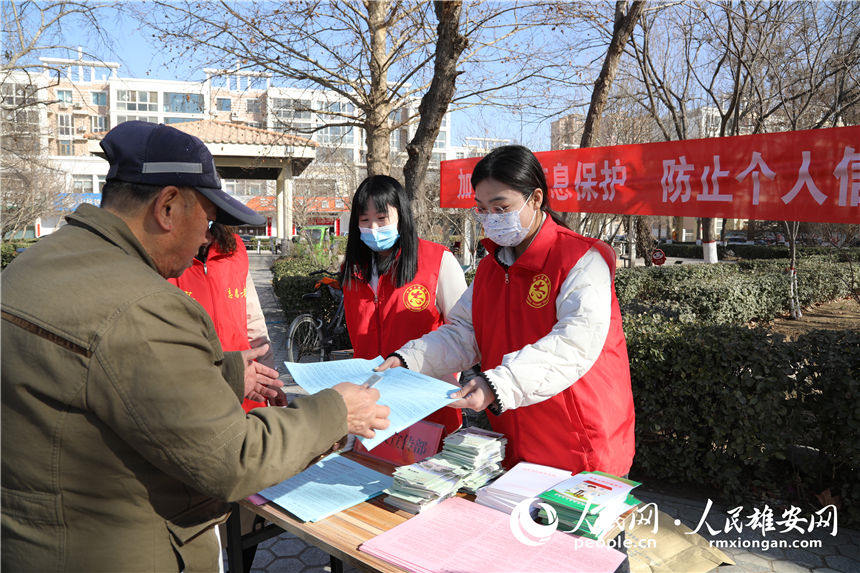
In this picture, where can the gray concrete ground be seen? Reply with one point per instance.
(836, 553)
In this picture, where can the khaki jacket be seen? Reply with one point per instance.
(122, 429)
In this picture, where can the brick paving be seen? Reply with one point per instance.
(287, 554)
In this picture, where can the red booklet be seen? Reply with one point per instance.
(417, 442)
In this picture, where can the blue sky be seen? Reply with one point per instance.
(140, 56)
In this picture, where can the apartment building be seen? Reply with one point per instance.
(91, 96)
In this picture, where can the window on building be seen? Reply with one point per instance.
(291, 108)
(149, 118)
(437, 157)
(64, 126)
(101, 179)
(82, 183)
(183, 102)
(224, 104)
(337, 108)
(440, 141)
(254, 124)
(130, 100)
(252, 106)
(99, 123)
(228, 185)
(99, 98)
(64, 146)
(335, 135)
(64, 96)
(13, 94)
(178, 119)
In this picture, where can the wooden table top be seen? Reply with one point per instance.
(340, 534)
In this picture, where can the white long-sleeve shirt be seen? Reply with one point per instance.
(540, 370)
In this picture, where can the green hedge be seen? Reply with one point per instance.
(694, 251)
(9, 249)
(731, 293)
(730, 407)
(291, 281)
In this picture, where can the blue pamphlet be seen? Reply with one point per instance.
(331, 485)
(410, 395)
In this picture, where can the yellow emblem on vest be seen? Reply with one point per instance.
(539, 291)
(416, 298)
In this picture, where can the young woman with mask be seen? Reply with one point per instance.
(396, 286)
(542, 319)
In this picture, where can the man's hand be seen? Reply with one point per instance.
(391, 362)
(363, 414)
(476, 394)
(261, 382)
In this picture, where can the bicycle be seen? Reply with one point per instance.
(311, 335)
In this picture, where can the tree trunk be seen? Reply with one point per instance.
(678, 229)
(376, 125)
(645, 243)
(631, 241)
(450, 44)
(791, 229)
(467, 244)
(625, 21)
(751, 230)
(709, 241)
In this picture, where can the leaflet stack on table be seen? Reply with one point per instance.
(470, 458)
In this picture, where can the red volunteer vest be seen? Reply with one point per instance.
(219, 287)
(588, 426)
(380, 324)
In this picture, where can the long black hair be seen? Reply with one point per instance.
(518, 168)
(402, 262)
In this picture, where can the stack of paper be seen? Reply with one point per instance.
(469, 459)
(458, 535)
(424, 484)
(589, 503)
(331, 485)
(523, 481)
(479, 452)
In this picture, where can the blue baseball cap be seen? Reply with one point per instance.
(157, 154)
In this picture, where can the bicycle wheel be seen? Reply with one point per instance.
(304, 340)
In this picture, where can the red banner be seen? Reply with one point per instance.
(809, 175)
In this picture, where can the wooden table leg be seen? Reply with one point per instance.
(335, 564)
(234, 541)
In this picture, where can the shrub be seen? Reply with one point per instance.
(291, 281)
(726, 406)
(828, 383)
(9, 249)
(710, 403)
(732, 293)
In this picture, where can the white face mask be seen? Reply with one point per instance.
(505, 229)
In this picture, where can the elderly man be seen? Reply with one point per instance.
(123, 431)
